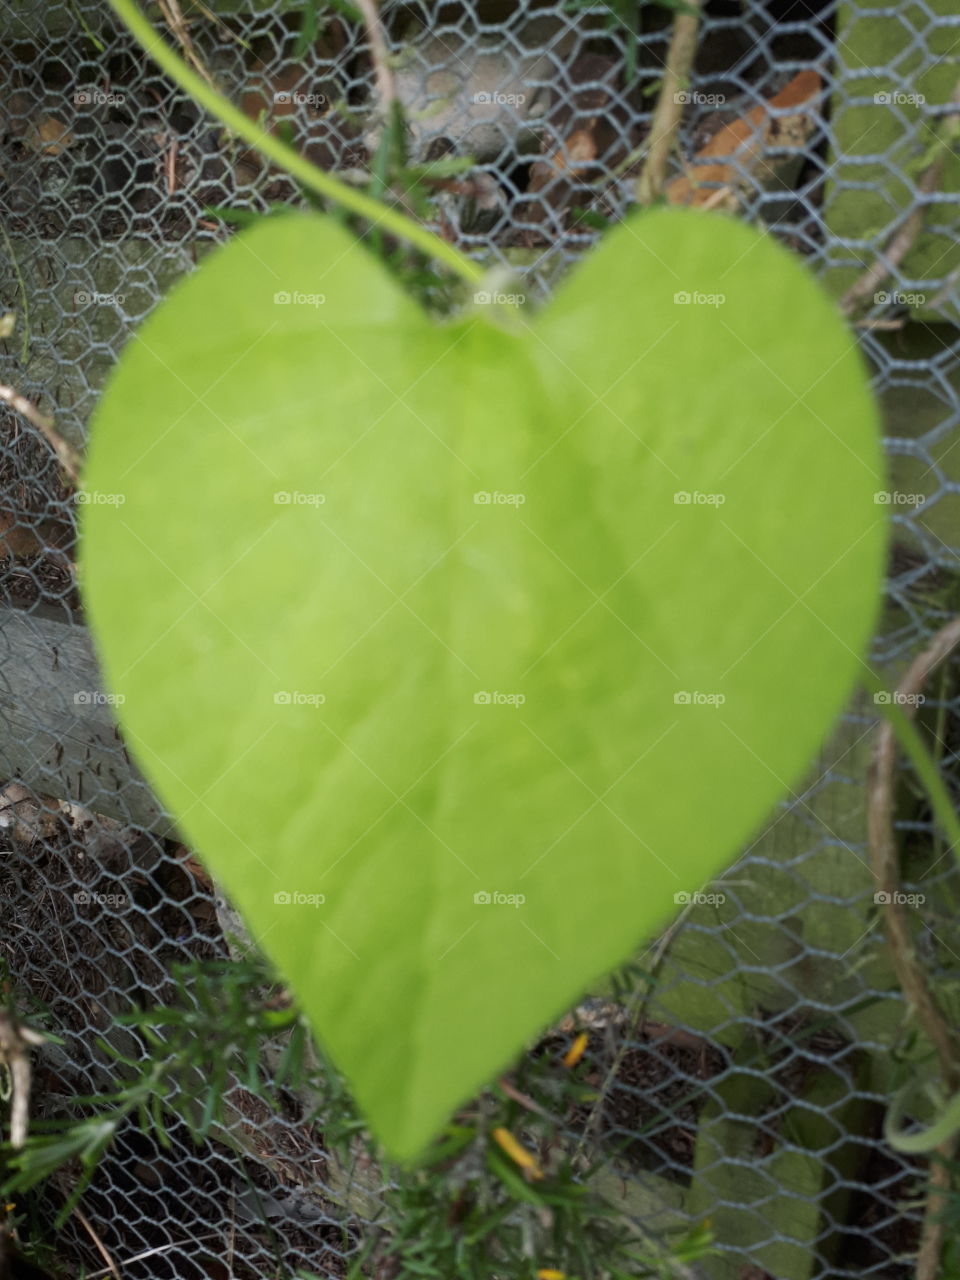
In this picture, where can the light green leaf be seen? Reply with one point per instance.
(583, 695)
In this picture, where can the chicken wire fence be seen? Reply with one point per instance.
(754, 1093)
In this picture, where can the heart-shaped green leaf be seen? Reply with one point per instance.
(459, 652)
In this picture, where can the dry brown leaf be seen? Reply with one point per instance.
(48, 136)
(22, 537)
(18, 540)
(194, 868)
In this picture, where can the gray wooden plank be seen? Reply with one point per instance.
(57, 731)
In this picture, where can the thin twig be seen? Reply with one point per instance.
(67, 455)
(669, 108)
(101, 1247)
(224, 30)
(170, 164)
(524, 1099)
(933, 1233)
(636, 1023)
(232, 1234)
(890, 326)
(177, 24)
(24, 295)
(15, 1043)
(945, 291)
(885, 860)
(379, 56)
(152, 1253)
(903, 240)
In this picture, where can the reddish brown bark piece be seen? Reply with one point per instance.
(737, 151)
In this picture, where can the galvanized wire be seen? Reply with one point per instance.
(109, 176)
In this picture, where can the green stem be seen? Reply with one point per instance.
(941, 1130)
(389, 219)
(915, 749)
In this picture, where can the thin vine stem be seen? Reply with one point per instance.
(913, 746)
(669, 108)
(389, 219)
(941, 1138)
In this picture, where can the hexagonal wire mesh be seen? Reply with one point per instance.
(754, 1095)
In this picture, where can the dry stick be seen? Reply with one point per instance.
(101, 1247)
(523, 1098)
(903, 240)
(225, 31)
(877, 322)
(379, 55)
(67, 455)
(637, 1020)
(24, 294)
(152, 1253)
(669, 109)
(910, 973)
(15, 1042)
(899, 246)
(944, 293)
(177, 24)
